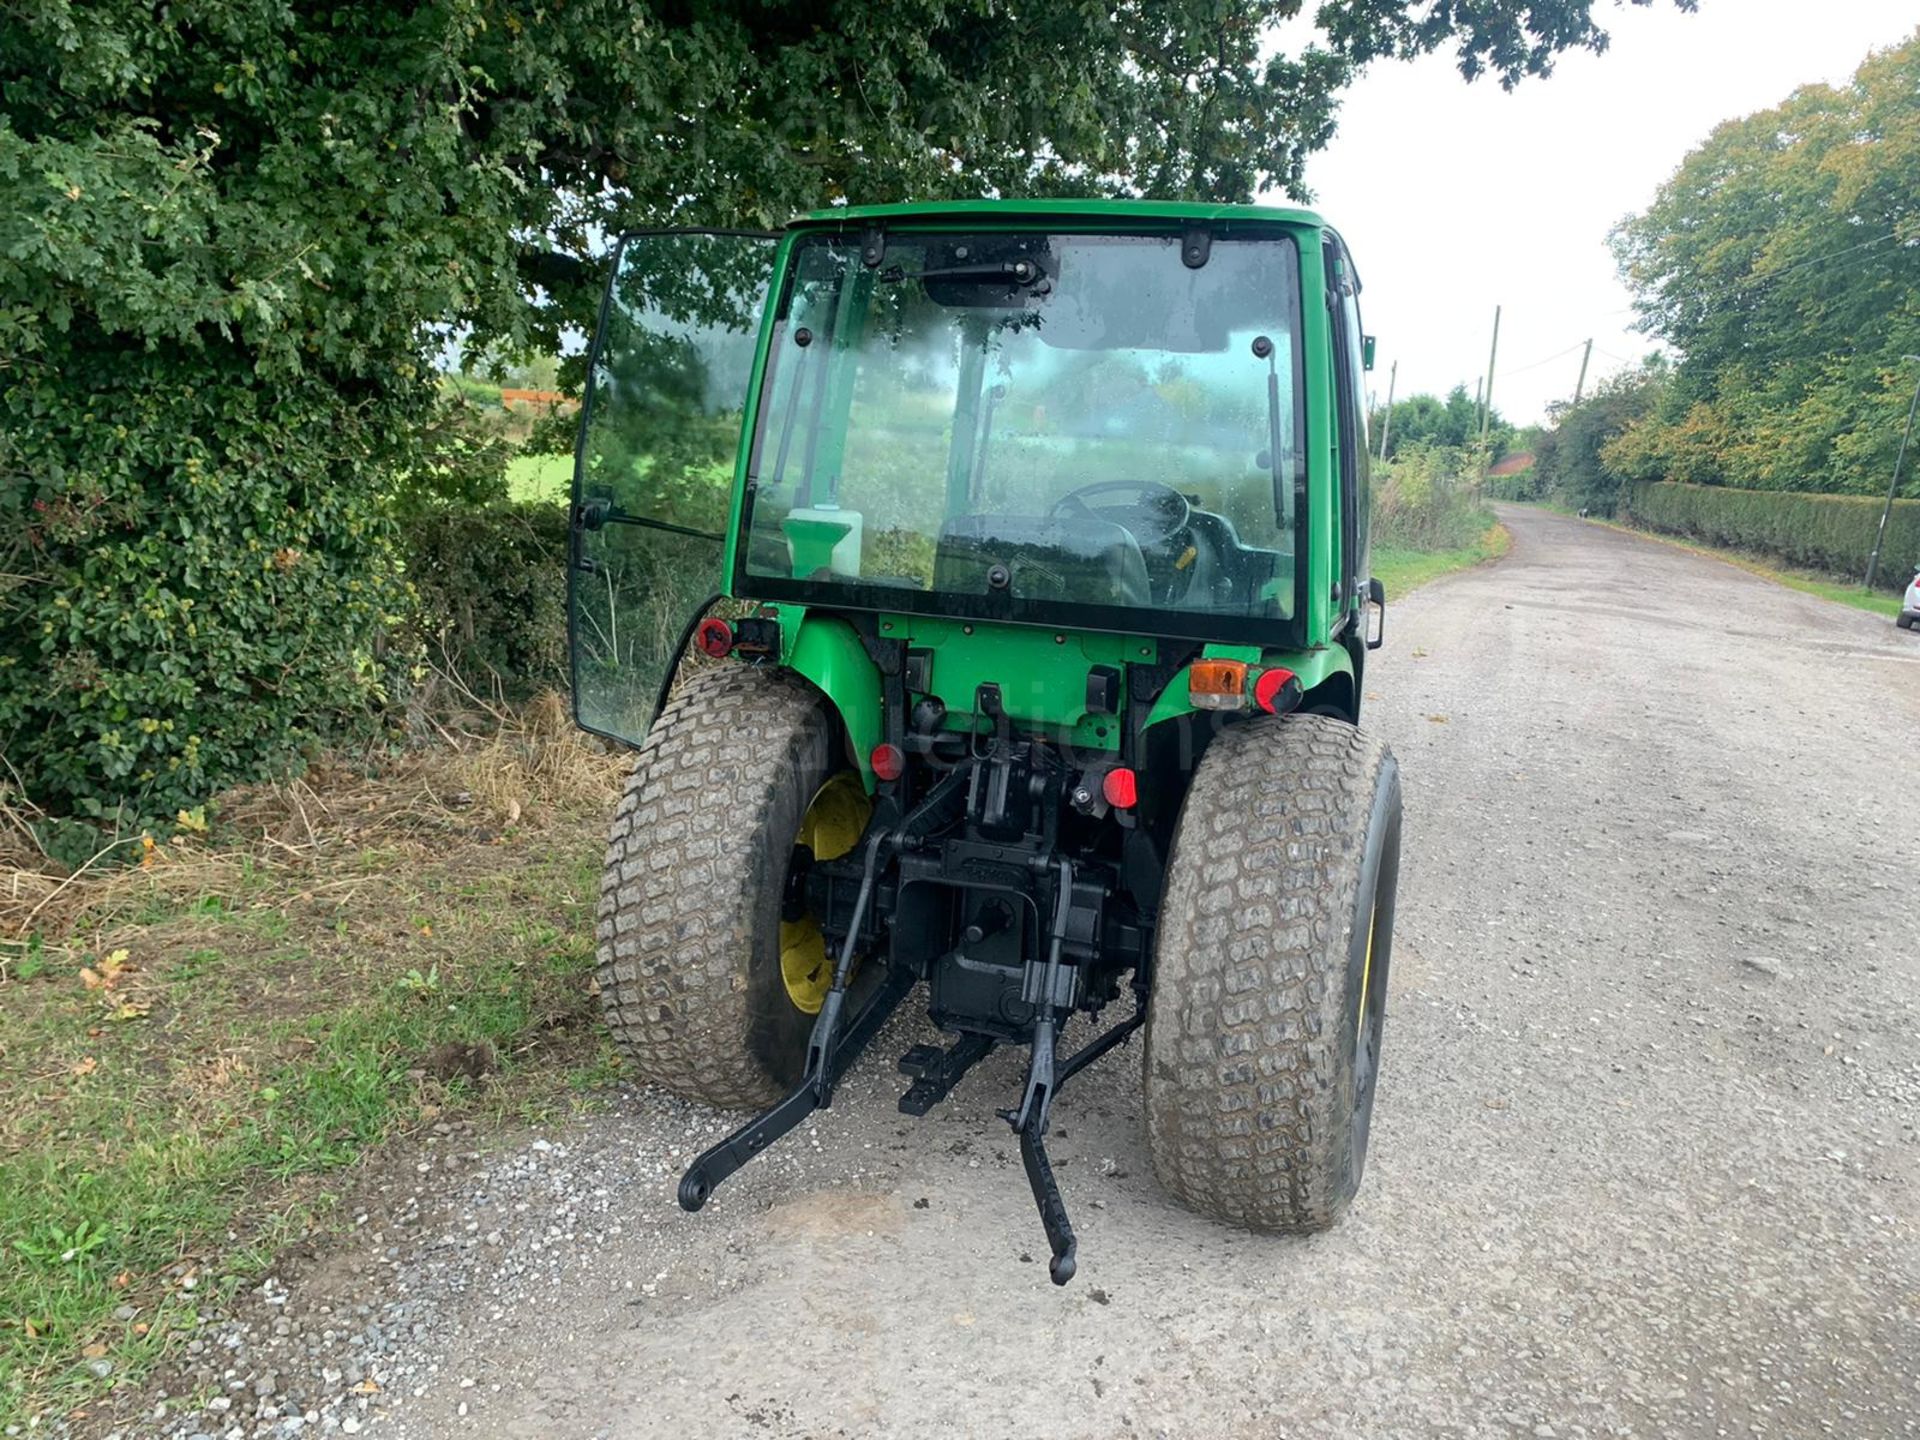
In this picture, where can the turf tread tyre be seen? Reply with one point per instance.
(691, 891)
(1250, 1032)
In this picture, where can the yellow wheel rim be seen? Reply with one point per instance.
(1366, 969)
(836, 818)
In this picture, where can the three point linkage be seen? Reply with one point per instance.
(838, 1039)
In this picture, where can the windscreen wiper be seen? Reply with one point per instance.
(1263, 350)
(1014, 272)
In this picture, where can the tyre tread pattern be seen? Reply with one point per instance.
(691, 856)
(1249, 1071)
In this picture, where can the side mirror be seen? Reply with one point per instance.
(1367, 344)
(1377, 598)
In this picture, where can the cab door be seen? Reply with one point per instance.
(653, 472)
(1349, 365)
(1358, 592)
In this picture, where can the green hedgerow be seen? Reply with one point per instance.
(1834, 533)
(198, 562)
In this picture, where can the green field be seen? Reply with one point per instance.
(540, 477)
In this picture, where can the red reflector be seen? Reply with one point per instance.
(1121, 788)
(889, 762)
(714, 637)
(1269, 690)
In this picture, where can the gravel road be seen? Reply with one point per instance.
(1644, 1162)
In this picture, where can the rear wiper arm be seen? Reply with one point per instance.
(1014, 272)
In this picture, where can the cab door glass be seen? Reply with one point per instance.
(1356, 499)
(653, 476)
(1362, 472)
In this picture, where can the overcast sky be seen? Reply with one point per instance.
(1458, 197)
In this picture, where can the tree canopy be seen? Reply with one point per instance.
(1453, 423)
(1782, 263)
(234, 159)
(1578, 458)
(233, 234)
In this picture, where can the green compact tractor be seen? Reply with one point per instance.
(985, 587)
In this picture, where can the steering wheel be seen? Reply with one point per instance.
(1156, 514)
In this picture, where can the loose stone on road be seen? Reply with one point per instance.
(1644, 1160)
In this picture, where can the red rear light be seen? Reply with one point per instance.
(1276, 691)
(1122, 789)
(714, 637)
(889, 762)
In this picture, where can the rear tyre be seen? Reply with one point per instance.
(1905, 622)
(1271, 958)
(691, 898)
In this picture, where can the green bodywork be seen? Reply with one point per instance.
(1042, 671)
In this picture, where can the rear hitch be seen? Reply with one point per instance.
(842, 1030)
(937, 1071)
(814, 1092)
(1053, 1209)
(1050, 990)
(1033, 1129)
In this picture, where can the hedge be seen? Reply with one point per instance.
(490, 587)
(1833, 533)
(195, 565)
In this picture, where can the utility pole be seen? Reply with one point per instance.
(1486, 412)
(1880, 536)
(1580, 385)
(1386, 422)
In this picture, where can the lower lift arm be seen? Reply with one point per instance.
(837, 1040)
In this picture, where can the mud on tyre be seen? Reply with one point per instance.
(692, 893)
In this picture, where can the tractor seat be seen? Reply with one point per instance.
(1077, 558)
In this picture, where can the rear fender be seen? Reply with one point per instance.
(1176, 735)
(826, 650)
(1325, 673)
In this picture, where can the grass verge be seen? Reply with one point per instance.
(1807, 582)
(197, 1050)
(1401, 570)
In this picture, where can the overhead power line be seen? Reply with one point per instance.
(1768, 277)
(1536, 364)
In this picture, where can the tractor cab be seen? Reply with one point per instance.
(1032, 422)
(1096, 417)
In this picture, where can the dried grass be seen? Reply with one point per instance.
(525, 770)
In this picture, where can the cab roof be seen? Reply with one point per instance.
(1188, 212)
